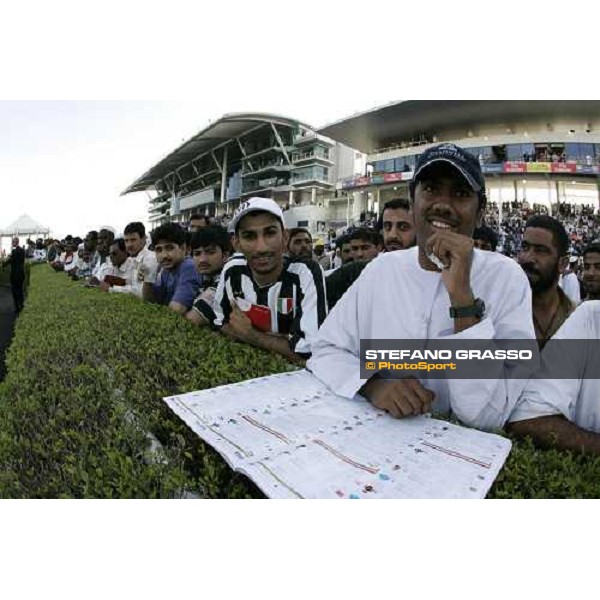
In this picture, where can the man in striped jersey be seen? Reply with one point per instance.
(262, 299)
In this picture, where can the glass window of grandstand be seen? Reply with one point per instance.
(311, 173)
(404, 164)
(581, 153)
(378, 166)
(520, 152)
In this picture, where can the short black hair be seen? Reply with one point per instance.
(110, 234)
(393, 204)
(120, 243)
(213, 235)
(170, 232)
(135, 227)
(487, 234)
(593, 247)
(294, 231)
(196, 217)
(366, 234)
(554, 226)
(92, 234)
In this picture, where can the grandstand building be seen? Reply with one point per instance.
(535, 152)
(244, 155)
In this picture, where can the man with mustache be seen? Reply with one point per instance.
(263, 299)
(437, 290)
(300, 244)
(396, 225)
(543, 257)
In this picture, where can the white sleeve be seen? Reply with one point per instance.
(336, 347)
(543, 396)
(150, 267)
(487, 403)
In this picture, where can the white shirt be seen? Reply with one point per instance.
(576, 399)
(127, 271)
(394, 298)
(70, 262)
(570, 286)
(146, 268)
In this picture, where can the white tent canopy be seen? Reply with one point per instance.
(24, 225)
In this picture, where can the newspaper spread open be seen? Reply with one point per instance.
(296, 439)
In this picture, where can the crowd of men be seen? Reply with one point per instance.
(429, 269)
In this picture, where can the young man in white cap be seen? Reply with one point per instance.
(262, 299)
(437, 290)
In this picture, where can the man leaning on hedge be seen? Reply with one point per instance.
(263, 299)
(178, 282)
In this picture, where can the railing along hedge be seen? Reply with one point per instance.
(86, 375)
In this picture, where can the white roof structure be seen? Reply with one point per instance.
(24, 225)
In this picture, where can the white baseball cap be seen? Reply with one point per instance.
(252, 205)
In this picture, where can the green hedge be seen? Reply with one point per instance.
(86, 375)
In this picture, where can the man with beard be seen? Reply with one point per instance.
(300, 244)
(591, 271)
(436, 291)
(543, 257)
(262, 299)
(396, 224)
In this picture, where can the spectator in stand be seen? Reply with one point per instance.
(101, 260)
(320, 256)
(345, 249)
(146, 265)
(69, 259)
(262, 299)
(591, 272)
(40, 253)
(485, 238)
(178, 282)
(197, 222)
(54, 251)
(569, 283)
(406, 295)
(210, 251)
(543, 257)
(396, 225)
(122, 269)
(365, 244)
(300, 244)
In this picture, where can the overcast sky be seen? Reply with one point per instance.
(65, 163)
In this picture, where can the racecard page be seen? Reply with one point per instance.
(296, 439)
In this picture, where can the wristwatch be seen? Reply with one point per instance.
(477, 309)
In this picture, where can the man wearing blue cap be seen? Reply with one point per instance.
(440, 289)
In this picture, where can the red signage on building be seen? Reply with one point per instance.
(514, 167)
(569, 167)
(392, 177)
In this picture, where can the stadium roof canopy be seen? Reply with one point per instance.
(24, 225)
(227, 128)
(380, 127)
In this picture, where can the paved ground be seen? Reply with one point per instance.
(7, 319)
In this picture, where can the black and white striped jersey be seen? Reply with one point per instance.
(296, 302)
